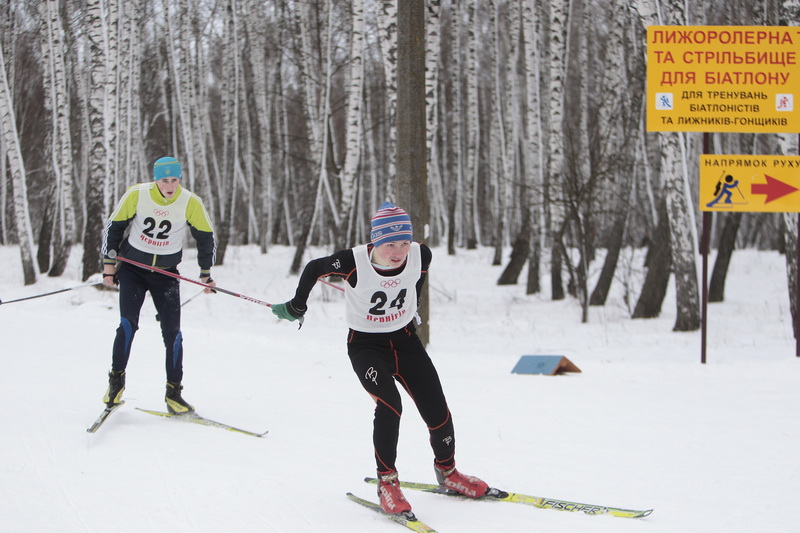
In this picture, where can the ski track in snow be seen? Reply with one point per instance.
(710, 447)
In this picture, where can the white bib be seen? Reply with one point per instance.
(380, 304)
(159, 229)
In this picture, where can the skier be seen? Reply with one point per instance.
(724, 190)
(156, 215)
(383, 283)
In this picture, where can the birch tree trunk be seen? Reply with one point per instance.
(439, 219)
(614, 115)
(471, 219)
(58, 104)
(455, 186)
(502, 109)
(555, 170)
(355, 128)
(17, 166)
(100, 171)
(533, 181)
(387, 22)
(257, 25)
(678, 204)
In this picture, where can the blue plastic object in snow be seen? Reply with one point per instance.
(544, 364)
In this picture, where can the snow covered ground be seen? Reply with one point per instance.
(710, 447)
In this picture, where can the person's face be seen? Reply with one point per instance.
(392, 254)
(168, 186)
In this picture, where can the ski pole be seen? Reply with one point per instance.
(89, 284)
(329, 284)
(177, 276)
(158, 318)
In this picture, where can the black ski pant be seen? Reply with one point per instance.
(134, 282)
(382, 360)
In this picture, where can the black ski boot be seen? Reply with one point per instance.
(116, 384)
(175, 403)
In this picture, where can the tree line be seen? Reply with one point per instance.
(284, 114)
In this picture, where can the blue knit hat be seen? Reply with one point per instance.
(166, 167)
(390, 224)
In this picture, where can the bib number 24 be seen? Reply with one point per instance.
(380, 299)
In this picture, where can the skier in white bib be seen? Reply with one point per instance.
(149, 226)
(383, 281)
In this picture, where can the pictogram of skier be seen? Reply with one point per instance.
(724, 191)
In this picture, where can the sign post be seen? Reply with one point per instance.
(735, 79)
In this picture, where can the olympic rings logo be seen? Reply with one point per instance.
(390, 283)
(160, 213)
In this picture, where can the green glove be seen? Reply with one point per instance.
(286, 311)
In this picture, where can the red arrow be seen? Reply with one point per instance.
(773, 188)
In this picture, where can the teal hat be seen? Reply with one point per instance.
(166, 167)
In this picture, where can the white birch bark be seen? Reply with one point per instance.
(100, 171)
(176, 21)
(22, 219)
(438, 203)
(456, 187)
(471, 218)
(57, 101)
(111, 122)
(555, 170)
(533, 180)
(257, 22)
(679, 203)
(387, 22)
(354, 124)
(310, 71)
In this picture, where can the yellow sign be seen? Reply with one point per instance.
(723, 79)
(750, 183)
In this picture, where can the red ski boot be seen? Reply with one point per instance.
(454, 480)
(392, 499)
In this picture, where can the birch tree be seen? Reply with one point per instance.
(438, 201)
(387, 22)
(100, 169)
(555, 168)
(354, 124)
(471, 220)
(17, 166)
(59, 228)
(616, 115)
(257, 22)
(675, 188)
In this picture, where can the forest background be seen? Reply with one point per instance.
(284, 115)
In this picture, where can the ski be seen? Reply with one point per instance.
(535, 501)
(406, 519)
(203, 421)
(102, 418)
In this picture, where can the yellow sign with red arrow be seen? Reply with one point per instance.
(750, 183)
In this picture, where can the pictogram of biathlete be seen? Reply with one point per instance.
(728, 193)
(724, 192)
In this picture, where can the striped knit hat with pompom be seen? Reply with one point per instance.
(390, 224)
